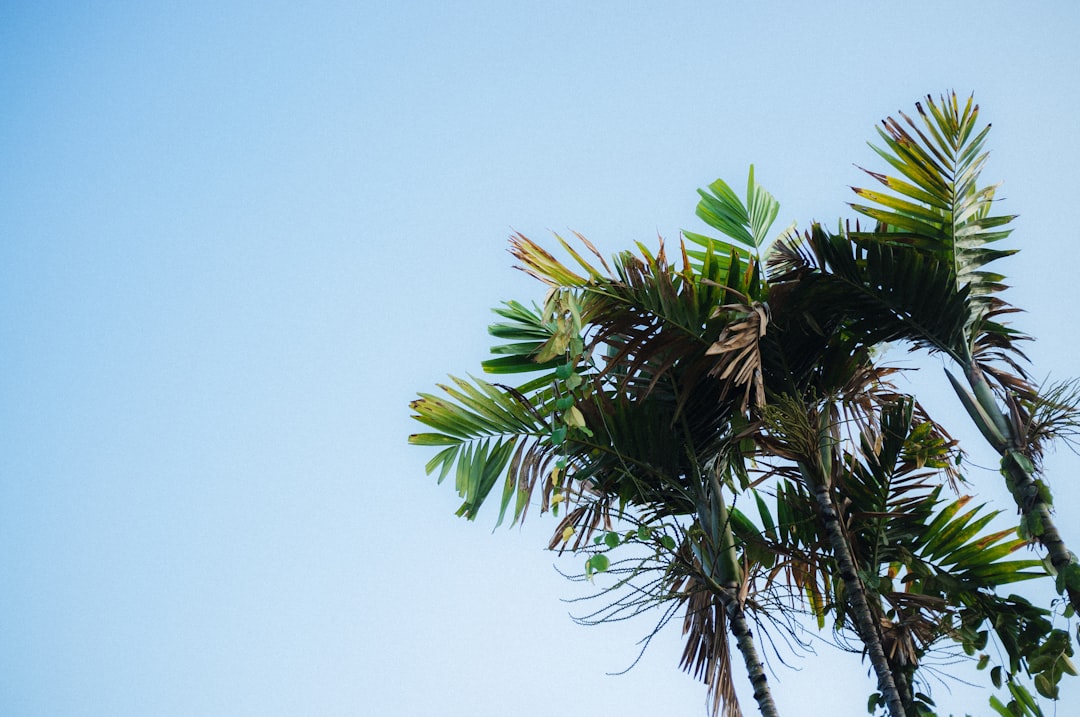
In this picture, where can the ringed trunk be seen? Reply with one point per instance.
(856, 596)
(744, 641)
(1019, 474)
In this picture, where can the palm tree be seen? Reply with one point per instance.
(927, 572)
(802, 370)
(833, 298)
(625, 415)
(921, 276)
(674, 347)
(657, 387)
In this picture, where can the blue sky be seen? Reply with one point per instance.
(236, 239)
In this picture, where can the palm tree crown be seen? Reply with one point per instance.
(656, 392)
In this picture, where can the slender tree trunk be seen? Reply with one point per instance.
(726, 574)
(856, 596)
(1038, 521)
(1019, 474)
(907, 696)
(744, 641)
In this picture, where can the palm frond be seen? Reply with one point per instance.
(707, 656)
(738, 351)
(484, 432)
(877, 291)
(527, 334)
(1051, 414)
(937, 207)
(747, 223)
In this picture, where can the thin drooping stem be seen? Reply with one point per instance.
(856, 595)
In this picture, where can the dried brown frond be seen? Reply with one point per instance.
(859, 403)
(707, 655)
(739, 352)
(920, 621)
(591, 513)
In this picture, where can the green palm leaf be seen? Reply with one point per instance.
(747, 223)
(485, 431)
(939, 207)
(880, 292)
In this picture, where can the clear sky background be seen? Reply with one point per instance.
(237, 238)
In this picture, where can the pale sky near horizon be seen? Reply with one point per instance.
(237, 238)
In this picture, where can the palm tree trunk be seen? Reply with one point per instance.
(744, 641)
(1001, 433)
(1037, 520)
(907, 696)
(856, 595)
(725, 573)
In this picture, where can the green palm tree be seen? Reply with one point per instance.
(614, 452)
(659, 384)
(921, 275)
(784, 352)
(624, 418)
(822, 327)
(676, 344)
(928, 572)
